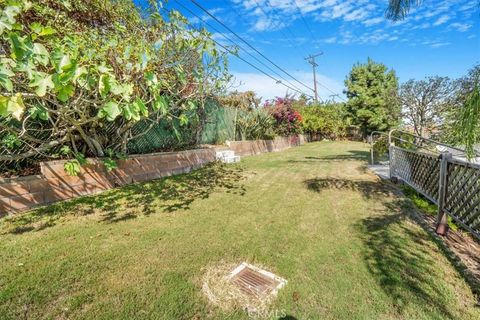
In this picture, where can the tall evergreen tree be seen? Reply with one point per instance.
(372, 92)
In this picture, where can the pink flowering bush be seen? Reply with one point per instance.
(287, 119)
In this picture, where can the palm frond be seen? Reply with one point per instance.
(398, 9)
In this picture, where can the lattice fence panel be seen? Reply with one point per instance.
(463, 194)
(420, 170)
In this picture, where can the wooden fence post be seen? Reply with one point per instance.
(442, 218)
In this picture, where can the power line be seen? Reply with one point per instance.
(305, 21)
(267, 2)
(236, 44)
(248, 44)
(242, 17)
(253, 48)
(333, 92)
(295, 88)
(257, 68)
(311, 60)
(313, 38)
(274, 26)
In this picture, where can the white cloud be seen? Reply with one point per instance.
(468, 6)
(339, 10)
(436, 43)
(356, 15)
(439, 44)
(363, 19)
(205, 17)
(442, 19)
(266, 88)
(462, 27)
(373, 21)
(330, 40)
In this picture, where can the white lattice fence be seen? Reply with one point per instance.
(420, 170)
(451, 184)
(462, 200)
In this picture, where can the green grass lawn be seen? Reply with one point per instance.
(312, 214)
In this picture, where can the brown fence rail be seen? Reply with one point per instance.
(453, 185)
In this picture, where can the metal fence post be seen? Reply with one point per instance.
(372, 162)
(442, 219)
(390, 154)
(390, 162)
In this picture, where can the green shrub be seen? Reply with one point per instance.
(254, 124)
(82, 73)
(287, 119)
(328, 121)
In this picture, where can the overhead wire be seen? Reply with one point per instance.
(331, 91)
(288, 85)
(304, 20)
(275, 26)
(248, 44)
(236, 54)
(236, 44)
(287, 28)
(267, 2)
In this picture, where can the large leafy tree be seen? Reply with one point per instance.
(425, 103)
(465, 129)
(372, 92)
(80, 74)
(463, 122)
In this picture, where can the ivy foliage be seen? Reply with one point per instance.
(82, 73)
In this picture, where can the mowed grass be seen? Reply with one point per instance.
(313, 214)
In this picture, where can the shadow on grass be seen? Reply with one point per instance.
(398, 255)
(350, 156)
(400, 258)
(368, 189)
(164, 195)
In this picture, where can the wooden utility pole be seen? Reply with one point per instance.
(311, 60)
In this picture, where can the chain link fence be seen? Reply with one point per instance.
(216, 126)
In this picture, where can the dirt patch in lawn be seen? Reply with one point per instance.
(223, 291)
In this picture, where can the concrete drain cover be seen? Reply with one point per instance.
(254, 281)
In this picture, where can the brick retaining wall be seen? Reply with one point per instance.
(251, 147)
(54, 184)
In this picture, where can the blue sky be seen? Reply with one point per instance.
(437, 38)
